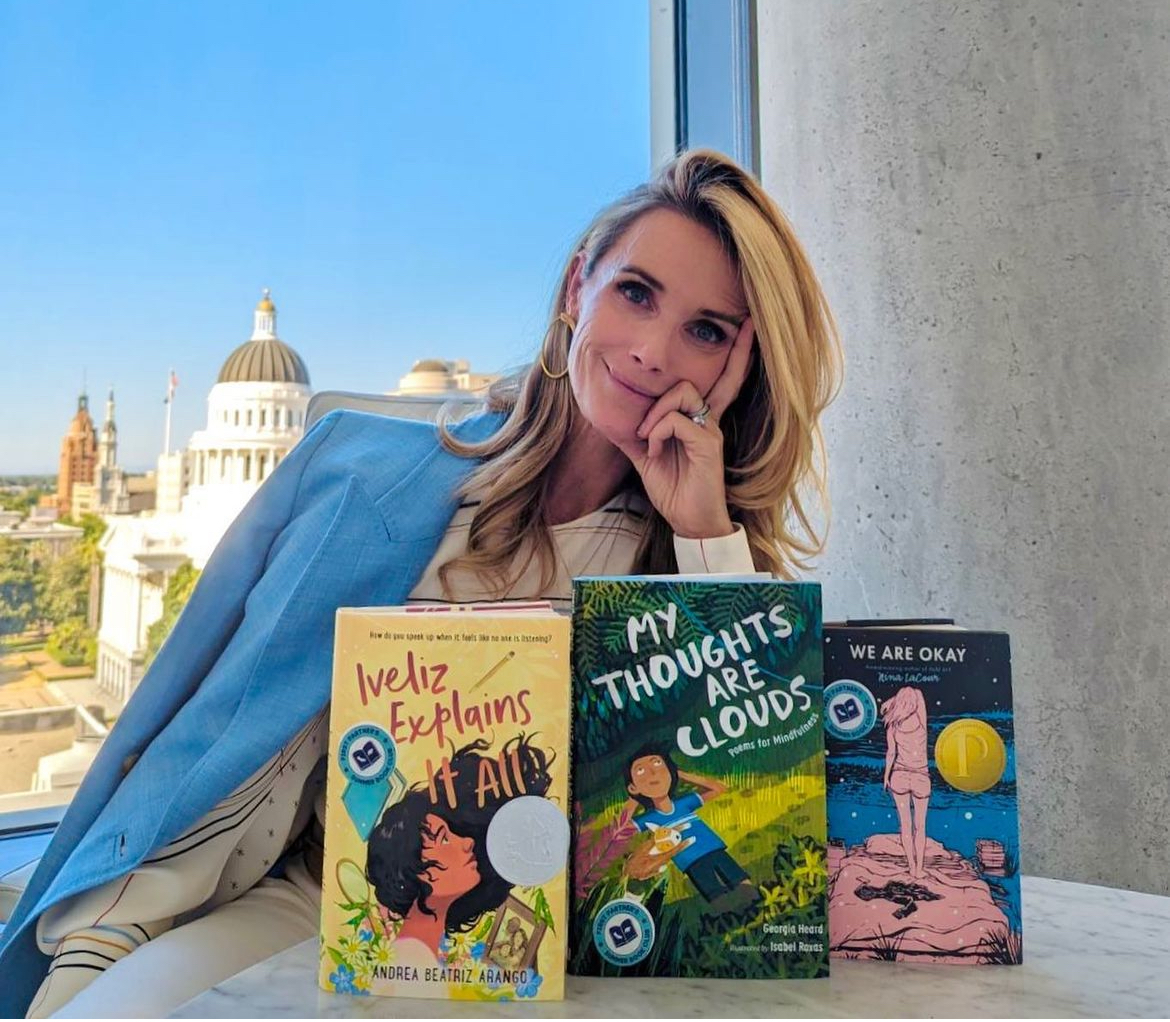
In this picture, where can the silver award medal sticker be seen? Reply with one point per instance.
(528, 840)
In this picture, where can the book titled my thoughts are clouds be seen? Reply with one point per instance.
(699, 792)
(924, 844)
(446, 831)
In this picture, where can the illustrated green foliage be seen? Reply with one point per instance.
(692, 940)
(603, 733)
(542, 910)
(772, 799)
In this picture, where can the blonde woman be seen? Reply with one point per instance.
(669, 423)
(907, 775)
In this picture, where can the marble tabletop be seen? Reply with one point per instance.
(1088, 952)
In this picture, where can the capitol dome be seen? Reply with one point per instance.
(264, 362)
(265, 358)
(430, 365)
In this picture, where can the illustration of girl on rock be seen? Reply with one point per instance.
(907, 776)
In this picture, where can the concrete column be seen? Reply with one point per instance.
(985, 189)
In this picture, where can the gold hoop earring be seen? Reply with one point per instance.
(568, 321)
(553, 376)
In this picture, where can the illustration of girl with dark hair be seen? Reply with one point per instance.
(427, 860)
(680, 836)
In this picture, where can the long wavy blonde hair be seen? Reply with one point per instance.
(773, 447)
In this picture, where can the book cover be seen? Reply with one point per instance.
(921, 770)
(446, 831)
(698, 779)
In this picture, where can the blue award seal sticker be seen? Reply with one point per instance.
(367, 756)
(850, 710)
(623, 932)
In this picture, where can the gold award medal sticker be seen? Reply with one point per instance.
(970, 755)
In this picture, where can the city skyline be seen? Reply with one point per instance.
(407, 182)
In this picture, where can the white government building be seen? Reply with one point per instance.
(255, 415)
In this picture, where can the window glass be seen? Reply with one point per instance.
(206, 207)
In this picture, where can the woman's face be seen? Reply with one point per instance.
(456, 871)
(663, 305)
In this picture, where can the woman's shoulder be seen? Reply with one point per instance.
(381, 450)
(357, 437)
(353, 425)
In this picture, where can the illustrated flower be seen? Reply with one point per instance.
(787, 889)
(529, 986)
(367, 935)
(383, 954)
(477, 950)
(774, 895)
(458, 945)
(342, 979)
(812, 866)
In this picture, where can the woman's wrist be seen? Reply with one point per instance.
(717, 527)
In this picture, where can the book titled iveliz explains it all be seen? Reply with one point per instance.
(446, 836)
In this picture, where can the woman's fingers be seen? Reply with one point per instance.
(735, 372)
(682, 397)
(677, 426)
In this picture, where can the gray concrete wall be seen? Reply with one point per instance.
(985, 189)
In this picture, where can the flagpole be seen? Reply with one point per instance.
(170, 404)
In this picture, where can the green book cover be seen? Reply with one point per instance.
(698, 779)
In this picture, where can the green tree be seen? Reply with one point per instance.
(65, 580)
(22, 501)
(72, 644)
(93, 528)
(19, 589)
(179, 589)
(65, 585)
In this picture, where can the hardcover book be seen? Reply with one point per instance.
(698, 772)
(446, 832)
(923, 834)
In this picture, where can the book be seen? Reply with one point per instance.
(923, 832)
(698, 779)
(446, 826)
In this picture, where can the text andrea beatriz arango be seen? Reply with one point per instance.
(737, 691)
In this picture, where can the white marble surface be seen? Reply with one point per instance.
(1088, 952)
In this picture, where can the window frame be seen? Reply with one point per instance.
(720, 63)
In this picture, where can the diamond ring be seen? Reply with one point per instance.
(699, 418)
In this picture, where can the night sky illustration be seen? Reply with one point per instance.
(979, 688)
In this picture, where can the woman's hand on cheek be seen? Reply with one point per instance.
(681, 462)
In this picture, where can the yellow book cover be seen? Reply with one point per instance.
(446, 826)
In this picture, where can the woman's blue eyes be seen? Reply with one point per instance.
(635, 292)
(704, 330)
(709, 332)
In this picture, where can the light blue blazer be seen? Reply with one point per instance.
(351, 517)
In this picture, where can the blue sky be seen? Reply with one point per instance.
(407, 178)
